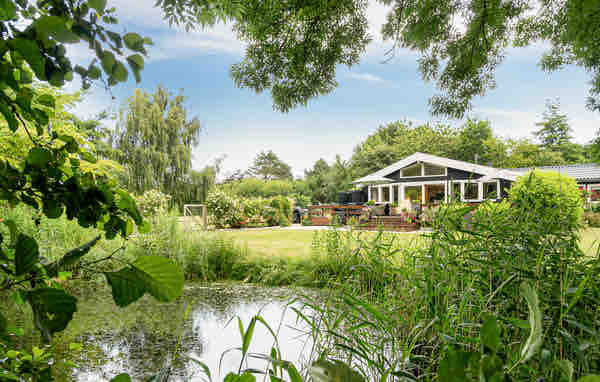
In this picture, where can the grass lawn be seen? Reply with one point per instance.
(590, 238)
(285, 243)
(297, 243)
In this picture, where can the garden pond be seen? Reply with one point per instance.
(141, 338)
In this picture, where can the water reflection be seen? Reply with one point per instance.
(141, 338)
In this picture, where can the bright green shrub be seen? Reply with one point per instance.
(225, 209)
(284, 221)
(553, 199)
(152, 202)
(301, 200)
(285, 207)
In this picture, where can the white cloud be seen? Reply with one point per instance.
(521, 123)
(365, 77)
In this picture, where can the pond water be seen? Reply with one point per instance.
(141, 338)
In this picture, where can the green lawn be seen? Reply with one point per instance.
(590, 238)
(296, 243)
(285, 243)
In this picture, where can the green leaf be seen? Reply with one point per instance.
(26, 254)
(589, 378)
(88, 157)
(32, 54)
(46, 100)
(9, 116)
(52, 208)
(39, 157)
(204, 367)
(8, 10)
(534, 341)
(127, 203)
(326, 371)
(145, 227)
(163, 278)
(134, 42)
(120, 72)
(124, 377)
(490, 333)
(55, 27)
(108, 62)
(247, 377)
(53, 309)
(3, 325)
(566, 369)
(453, 366)
(98, 5)
(94, 72)
(126, 286)
(71, 257)
(137, 60)
(12, 229)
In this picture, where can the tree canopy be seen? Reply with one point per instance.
(154, 140)
(268, 166)
(294, 47)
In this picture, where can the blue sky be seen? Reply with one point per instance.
(240, 123)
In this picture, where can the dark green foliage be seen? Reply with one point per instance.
(268, 166)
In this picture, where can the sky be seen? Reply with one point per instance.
(239, 123)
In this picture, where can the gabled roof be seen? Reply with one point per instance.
(581, 172)
(490, 172)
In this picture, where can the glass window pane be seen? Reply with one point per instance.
(385, 193)
(396, 194)
(490, 190)
(413, 193)
(374, 194)
(414, 170)
(471, 191)
(433, 170)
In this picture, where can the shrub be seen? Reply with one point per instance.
(301, 200)
(554, 200)
(152, 202)
(284, 221)
(371, 203)
(224, 209)
(306, 222)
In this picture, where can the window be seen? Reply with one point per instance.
(471, 191)
(490, 190)
(385, 193)
(413, 193)
(430, 169)
(374, 194)
(414, 170)
(396, 190)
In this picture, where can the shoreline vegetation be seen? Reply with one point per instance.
(502, 287)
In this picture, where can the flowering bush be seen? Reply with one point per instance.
(152, 202)
(226, 210)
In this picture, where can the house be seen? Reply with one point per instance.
(429, 179)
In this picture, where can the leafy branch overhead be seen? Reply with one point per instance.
(293, 47)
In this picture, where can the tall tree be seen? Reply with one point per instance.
(294, 47)
(316, 178)
(267, 165)
(154, 140)
(472, 140)
(554, 128)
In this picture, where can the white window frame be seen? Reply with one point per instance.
(497, 190)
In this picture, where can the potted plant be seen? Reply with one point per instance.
(395, 210)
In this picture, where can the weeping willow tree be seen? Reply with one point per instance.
(154, 141)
